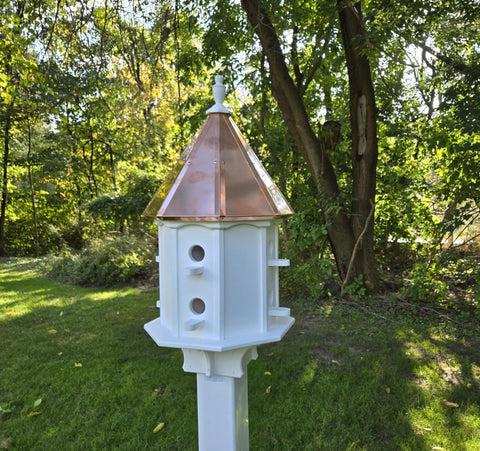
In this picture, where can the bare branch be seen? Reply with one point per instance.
(357, 244)
(318, 62)
(446, 59)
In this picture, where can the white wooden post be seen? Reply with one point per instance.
(222, 413)
(222, 397)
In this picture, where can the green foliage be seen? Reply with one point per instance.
(52, 238)
(358, 289)
(424, 285)
(120, 210)
(404, 198)
(95, 107)
(448, 280)
(107, 261)
(311, 264)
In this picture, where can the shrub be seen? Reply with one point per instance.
(311, 263)
(112, 260)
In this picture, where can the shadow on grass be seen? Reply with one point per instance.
(337, 386)
(344, 380)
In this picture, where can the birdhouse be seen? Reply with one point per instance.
(217, 217)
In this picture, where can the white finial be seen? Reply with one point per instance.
(218, 90)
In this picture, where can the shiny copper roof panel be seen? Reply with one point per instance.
(219, 179)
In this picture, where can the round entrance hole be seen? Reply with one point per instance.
(197, 253)
(197, 306)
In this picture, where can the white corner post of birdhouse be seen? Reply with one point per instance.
(222, 397)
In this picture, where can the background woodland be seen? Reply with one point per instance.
(366, 114)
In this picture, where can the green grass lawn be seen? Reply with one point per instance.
(77, 371)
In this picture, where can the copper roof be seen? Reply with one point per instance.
(218, 178)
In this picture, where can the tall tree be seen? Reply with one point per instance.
(350, 230)
(18, 71)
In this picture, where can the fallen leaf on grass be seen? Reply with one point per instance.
(10, 313)
(6, 442)
(450, 404)
(159, 427)
(268, 389)
(438, 447)
(267, 373)
(78, 365)
(33, 413)
(52, 331)
(60, 353)
(37, 402)
(388, 390)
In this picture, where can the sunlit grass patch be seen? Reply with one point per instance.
(448, 424)
(448, 377)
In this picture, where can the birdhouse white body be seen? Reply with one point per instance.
(217, 222)
(219, 285)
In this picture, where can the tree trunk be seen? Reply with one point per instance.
(112, 165)
(342, 233)
(91, 173)
(32, 192)
(5, 161)
(289, 100)
(363, 122)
